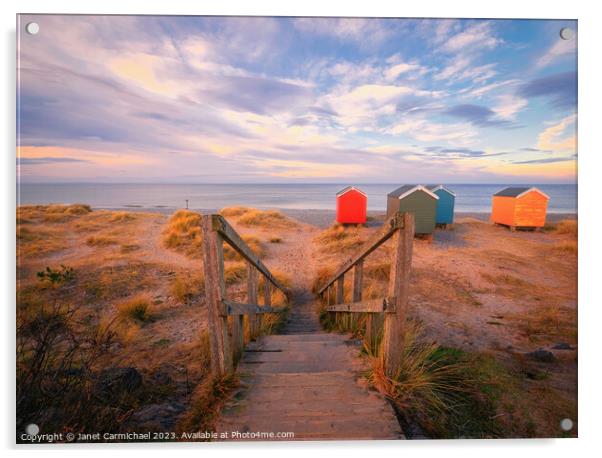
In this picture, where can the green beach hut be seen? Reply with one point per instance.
(418, 200)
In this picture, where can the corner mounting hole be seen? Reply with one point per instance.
(32, 28)
(566, 33)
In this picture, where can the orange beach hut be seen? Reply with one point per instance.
(351, 206)
(519, 207)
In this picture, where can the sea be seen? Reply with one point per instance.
(470, 198)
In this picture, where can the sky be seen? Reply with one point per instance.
(268, 100)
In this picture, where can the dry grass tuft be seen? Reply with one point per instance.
(265, 219)
(569, 246)
(567, 226)
(234, 211)
(100, 241)
(122, 216)
(39, 241)
(547, 323)
(136, 308)
(339, 238)
(183, 233)
(235, 272)
(185, 287)
(322, 276)
(448, 392)
(206, 403)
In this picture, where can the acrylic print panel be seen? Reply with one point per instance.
(181, 273)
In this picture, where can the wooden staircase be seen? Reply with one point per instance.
(306, 382)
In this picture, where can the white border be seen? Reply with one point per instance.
(590, 219)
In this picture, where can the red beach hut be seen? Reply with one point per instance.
(351, 206)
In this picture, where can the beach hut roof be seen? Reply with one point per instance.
(436, 187)
(518, 191)
(349, 188)
(408, 189)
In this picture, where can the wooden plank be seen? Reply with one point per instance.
(252, 283)
(399, 282)
(380, 237)
(222, 226)
(357, 281)
(215, 291)
(368, 306)
(240, 308)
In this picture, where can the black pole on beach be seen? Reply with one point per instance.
(186, 204)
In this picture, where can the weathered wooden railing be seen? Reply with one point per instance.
(400, 228)
(225, 344)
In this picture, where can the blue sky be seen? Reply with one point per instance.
(210, 99)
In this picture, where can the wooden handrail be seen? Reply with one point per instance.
(391, 225)
(220, 225)
(401, 228)
(227, 342)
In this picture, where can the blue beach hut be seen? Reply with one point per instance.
(445, 204)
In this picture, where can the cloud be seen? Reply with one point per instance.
(548, 160)
(359, 30)
(362, 106)
(477, 115)
(509, 105)
(393, 72)
(424, 130)
(117, 96)
(559, 50)
(47, 160)
(560, 89)
(479, 36)
(257, 94)
(560, 136)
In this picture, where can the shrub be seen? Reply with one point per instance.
(55, 358)
(448, 392)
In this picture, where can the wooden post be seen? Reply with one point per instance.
(215, 291)
(358, 273)
(252, 281)
(357, 281)
(339, 297)
(267, 293)
(399, 282)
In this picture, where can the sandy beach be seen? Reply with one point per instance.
(476, 287)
